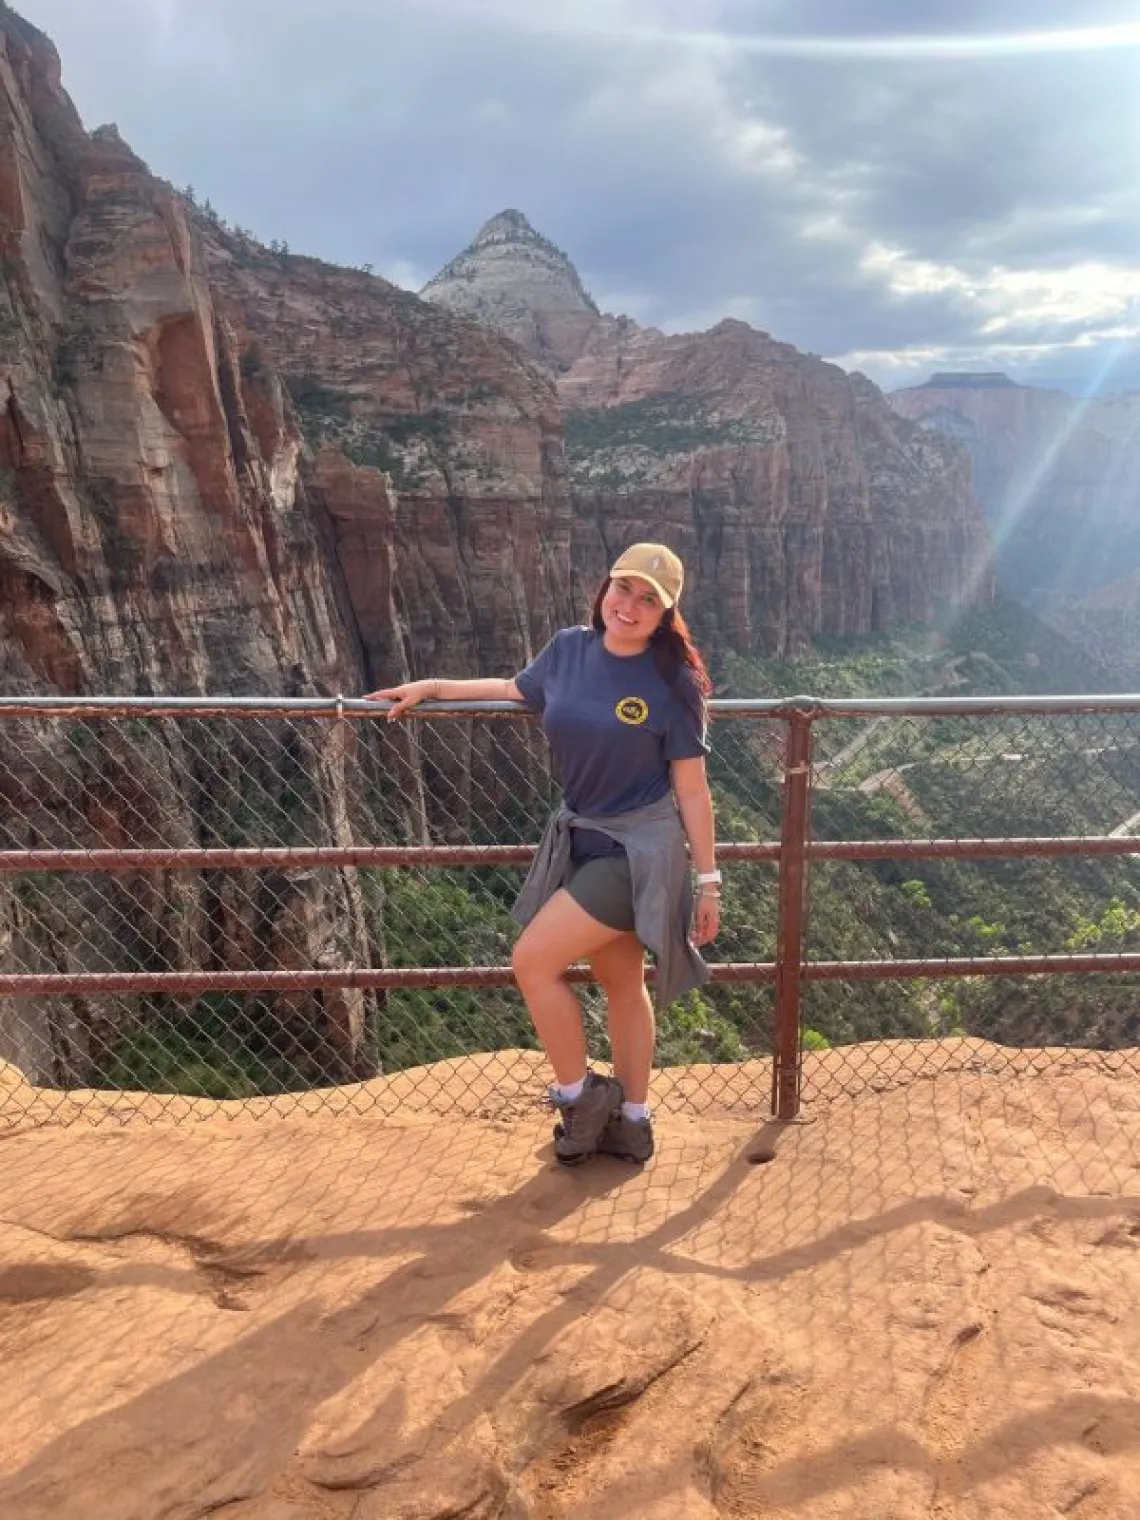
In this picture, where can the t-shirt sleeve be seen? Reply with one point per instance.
(534, 682)
(687, 736)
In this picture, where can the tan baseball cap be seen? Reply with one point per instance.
(656, 564)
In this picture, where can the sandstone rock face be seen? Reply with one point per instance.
(164, 528)
(1058, 477)
(514, 279)
(438, 460)
(797, 499)
(151, 541)
(801, 505)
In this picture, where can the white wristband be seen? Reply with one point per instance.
(708, 876)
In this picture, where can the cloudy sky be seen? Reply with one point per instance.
(899, 185)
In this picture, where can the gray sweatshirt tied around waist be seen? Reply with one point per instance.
(654, 842)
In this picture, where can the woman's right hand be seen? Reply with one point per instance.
(403, 697)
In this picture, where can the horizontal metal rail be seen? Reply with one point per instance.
(92, 983)
(978, 965)
(970, 849)
(719, 707)
(391, 857)
(285, 856)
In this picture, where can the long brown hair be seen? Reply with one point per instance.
(673, 650)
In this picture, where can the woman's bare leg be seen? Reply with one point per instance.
(559, 934)
(620, 968)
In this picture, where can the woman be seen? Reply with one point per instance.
(623, 704)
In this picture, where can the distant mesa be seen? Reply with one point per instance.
(968, 380)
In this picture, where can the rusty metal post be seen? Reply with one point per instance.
(791, 913)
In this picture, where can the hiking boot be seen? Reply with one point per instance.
(627, 1139)
(582, 1122)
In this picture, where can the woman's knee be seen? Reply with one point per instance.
(621, 976)
(624, 991)
(532, 962)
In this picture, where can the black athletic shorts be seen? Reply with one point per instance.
(604, 887)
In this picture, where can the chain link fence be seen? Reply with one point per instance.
(232, 905)
(1035, 815)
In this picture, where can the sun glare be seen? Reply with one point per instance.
(906, 46)
(1083, 39)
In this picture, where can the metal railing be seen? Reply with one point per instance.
(235, 898)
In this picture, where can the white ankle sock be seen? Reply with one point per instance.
(635, 1110)
(570, 1092)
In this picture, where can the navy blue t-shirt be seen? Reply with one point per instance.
(614, 725)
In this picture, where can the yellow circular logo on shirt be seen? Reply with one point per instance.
(632, 710)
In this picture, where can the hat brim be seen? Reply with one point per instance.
(618, 573)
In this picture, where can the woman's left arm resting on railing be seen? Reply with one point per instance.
(694, 802)
(440, 689)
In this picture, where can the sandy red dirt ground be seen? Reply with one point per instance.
(920, 1302)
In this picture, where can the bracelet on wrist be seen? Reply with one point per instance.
(704, 877)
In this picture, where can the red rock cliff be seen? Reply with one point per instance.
(158, 531)
(803, 504)
(438, 460)
(151, 538)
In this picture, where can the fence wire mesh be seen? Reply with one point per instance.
(258, 783)
(1001, 778)
(287, 962)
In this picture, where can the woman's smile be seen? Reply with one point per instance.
(631, 611)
